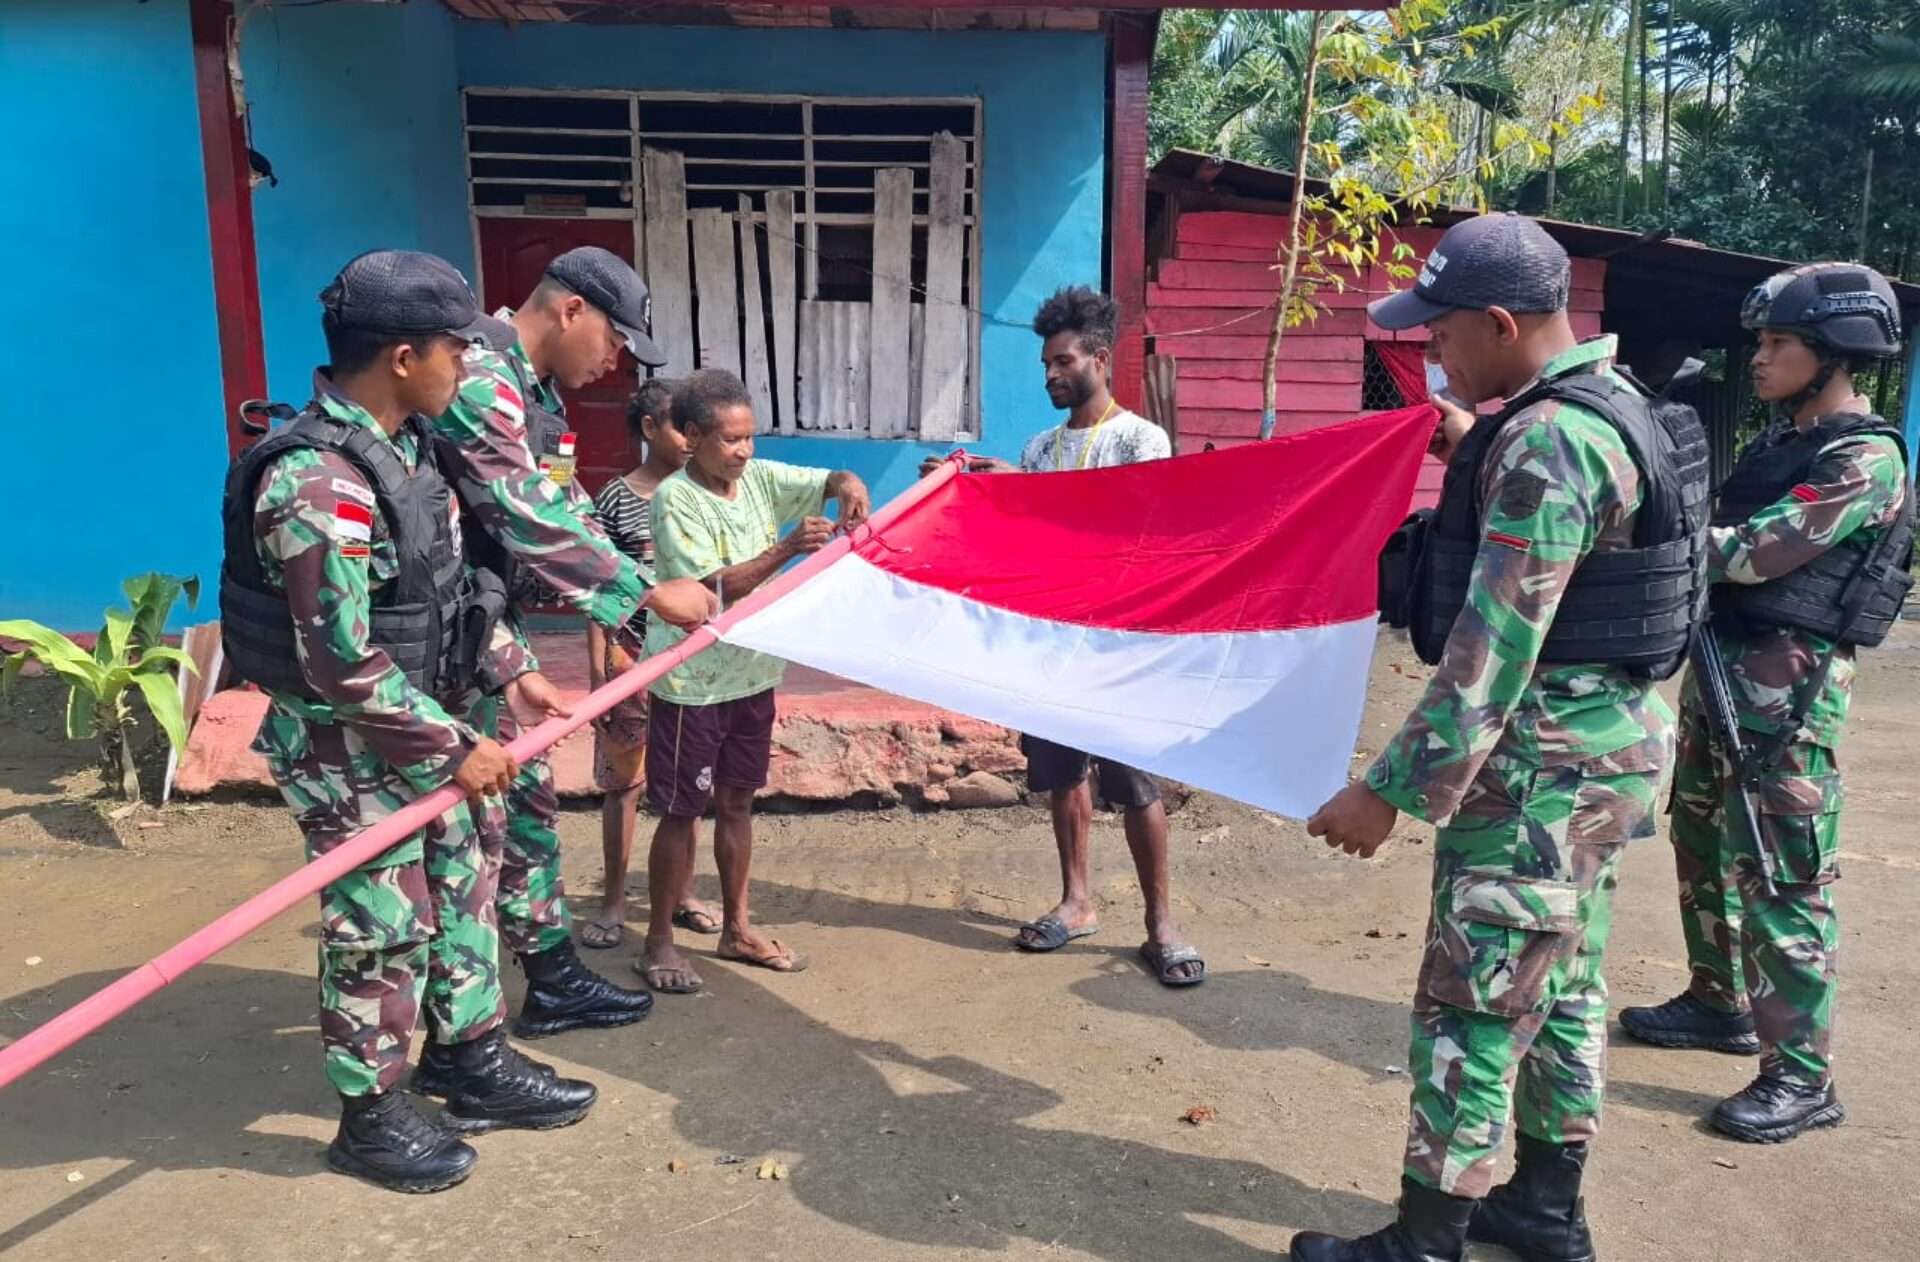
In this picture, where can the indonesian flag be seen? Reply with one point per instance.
(1208, 618)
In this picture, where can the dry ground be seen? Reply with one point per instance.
(933, 1093)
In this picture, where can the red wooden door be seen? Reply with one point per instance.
(514, 254)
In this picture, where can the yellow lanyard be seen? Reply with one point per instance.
(1086, 452)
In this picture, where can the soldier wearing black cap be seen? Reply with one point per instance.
(345, 596)
(506, 414)
(1559, 578)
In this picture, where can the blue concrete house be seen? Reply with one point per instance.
(776, 170)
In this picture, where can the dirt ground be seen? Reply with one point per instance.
(931, 1092)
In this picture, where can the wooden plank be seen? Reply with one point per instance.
(1291, 396)
(916, 357)
(1339, 372)
(1256, 277)
(1585, 323)
(892, 299)
(1242, 299)
(1228, 423)
(1232, 227)
(836, 351)
(1589, 273)
(716, 280)
(1211, 252)
(1247, 322)
(1293, 346)
(753, 349)
(784, 295)
(942, 377)
(669, 277)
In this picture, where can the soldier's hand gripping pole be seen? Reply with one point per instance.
(1716, 694)
(121, 994)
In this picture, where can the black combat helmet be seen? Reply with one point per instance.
(1847, 309)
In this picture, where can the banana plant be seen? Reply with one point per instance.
(128, 658)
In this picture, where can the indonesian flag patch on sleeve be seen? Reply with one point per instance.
(1804, 493)
(1516, 542)
(352, 528)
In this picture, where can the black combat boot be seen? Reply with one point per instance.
(494, 1086)
(1538, 1213)
(1432, 1227)
(564, 994)
(1773, 1110)
(1684, 1021)
(382, 1140)
(434, 1076)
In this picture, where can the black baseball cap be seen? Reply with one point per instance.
(406, 291)
(604, 279)
(1504, 260)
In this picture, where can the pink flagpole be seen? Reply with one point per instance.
(110, 1001)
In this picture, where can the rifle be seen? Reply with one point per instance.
(1716, 692)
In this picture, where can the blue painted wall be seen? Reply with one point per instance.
(358, 109)
(114, 421)
(1913, 398)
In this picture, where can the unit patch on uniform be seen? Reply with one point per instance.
(1511, 541)
(353, 491)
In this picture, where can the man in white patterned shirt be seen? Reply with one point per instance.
(1078, 327)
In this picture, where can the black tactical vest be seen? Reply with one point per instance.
(1632, 607)
(544, 431)
(433, 619)
(1852, 592)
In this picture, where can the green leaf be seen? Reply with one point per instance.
(153, 596)
(54, 651)
(160, 655)
(10, 671)
(111, 646)
(163, 701)
(80, 715)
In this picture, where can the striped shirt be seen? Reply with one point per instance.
(627, 517)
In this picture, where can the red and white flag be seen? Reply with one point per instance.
(1208, 618)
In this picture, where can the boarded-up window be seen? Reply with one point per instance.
(828, 250)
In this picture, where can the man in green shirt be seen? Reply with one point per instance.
(710, 732)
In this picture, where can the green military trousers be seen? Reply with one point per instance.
(532, 899)
(412, 929)
(1510, 1013)
(1776, 955)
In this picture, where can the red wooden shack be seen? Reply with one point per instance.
(1214, 231)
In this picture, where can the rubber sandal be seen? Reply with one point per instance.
(1050, 933)
(783, 960)
(696, 921)
(1164, 959)
(652, 974)
(601, 936)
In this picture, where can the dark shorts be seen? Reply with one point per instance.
(1051, 767)
(692, 748)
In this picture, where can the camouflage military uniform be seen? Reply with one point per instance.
(1538, 777)
(553, 534)
(1778, 953)
(416, 923)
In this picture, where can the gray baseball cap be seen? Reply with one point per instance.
(604, 279)
(405, 291)
(1504, 260)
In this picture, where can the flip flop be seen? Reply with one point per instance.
(601, 935)
(653, 974)
(1050, 933)
(696, 920)
(783, 960)
(1164, 959)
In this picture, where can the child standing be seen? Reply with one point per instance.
(620, 737)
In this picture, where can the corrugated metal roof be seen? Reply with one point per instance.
(941, 14)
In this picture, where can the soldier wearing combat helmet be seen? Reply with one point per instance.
(1809, 552)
